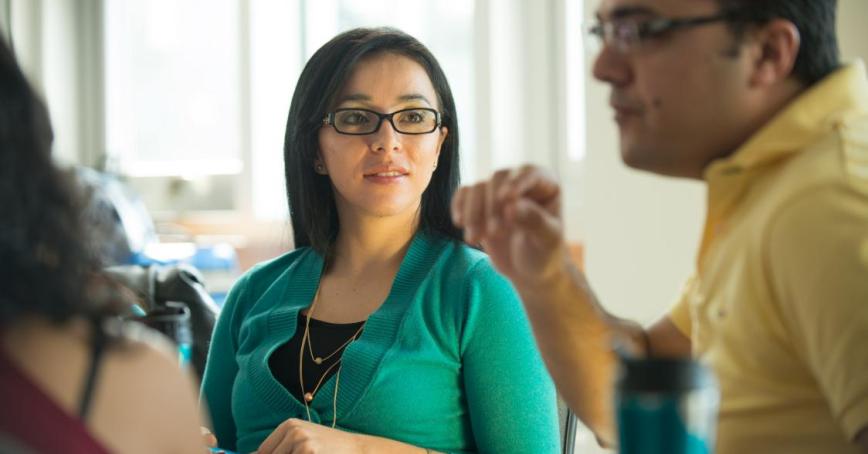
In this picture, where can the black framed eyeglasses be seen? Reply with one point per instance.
(626, 35)
(358, 122)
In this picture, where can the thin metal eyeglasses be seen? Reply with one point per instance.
(628, 35)
(359, 122)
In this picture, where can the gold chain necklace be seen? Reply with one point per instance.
(307, 397)
(319, 360)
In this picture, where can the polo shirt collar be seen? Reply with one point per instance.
(811, 115)
(814, 113)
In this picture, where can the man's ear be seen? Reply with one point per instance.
(777, 46)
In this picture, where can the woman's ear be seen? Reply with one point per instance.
(319, 166)
(444, 131)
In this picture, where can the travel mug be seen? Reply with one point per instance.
(666, 406)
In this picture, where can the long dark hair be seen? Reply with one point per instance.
(45, 263)
(311, 200)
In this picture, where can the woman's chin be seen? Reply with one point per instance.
(389, 210)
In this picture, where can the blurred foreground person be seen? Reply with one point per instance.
(72, 379)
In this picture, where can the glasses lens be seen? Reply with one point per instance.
(355, 121)
(415, 121)
(625, 35)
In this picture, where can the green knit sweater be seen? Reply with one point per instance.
(448, 362)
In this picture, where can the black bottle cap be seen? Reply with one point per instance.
(663, 375)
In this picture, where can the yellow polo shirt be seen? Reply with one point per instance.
(778, 306)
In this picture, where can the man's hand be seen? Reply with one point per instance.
(301, 437)
(516, 217)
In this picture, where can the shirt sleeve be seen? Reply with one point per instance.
(510, 395)
(679, 314)
(818, 256)
(221, 369)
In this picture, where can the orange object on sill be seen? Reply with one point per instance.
(577, 253)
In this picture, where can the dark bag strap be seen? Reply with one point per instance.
(98, 347)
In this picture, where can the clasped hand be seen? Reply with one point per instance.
(516, 217)
(295, 436)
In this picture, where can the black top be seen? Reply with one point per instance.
(325, 338)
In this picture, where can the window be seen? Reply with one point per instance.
(197, 92)
(173, 97)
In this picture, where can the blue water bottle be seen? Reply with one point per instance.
(666, 406)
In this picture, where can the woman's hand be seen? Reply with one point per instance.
(301, 437)
(208, 438)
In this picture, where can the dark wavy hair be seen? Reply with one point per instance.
(45, 263)
(311, 200)
(815, 19)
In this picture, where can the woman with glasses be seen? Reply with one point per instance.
(382, 332)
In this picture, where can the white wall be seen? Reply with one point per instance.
(639, 230)
(516, 89)
(852, 29)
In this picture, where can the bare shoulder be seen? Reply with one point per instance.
(144, 399)
(141, 351)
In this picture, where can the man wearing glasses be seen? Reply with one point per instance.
(749, 96)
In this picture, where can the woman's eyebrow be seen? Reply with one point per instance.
(402, 98)
(414, 97)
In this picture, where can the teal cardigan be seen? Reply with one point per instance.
(448, 362)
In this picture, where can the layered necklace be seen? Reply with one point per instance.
(306, 341)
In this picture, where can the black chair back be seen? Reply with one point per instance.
(156, 285)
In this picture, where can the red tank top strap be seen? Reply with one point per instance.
(32, 420)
